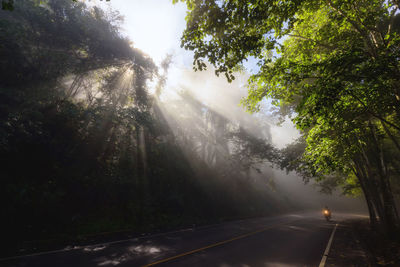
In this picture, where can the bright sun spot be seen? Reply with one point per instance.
(154, 26)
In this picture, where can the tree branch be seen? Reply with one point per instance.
(370, 112)
(309, 39)
(359, 29)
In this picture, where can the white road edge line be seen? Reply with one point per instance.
(328, 247)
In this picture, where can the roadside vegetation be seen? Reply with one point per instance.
(330, 65)
(88, 145)
(87, 148)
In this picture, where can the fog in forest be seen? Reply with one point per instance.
(222, 97)
(97, 135)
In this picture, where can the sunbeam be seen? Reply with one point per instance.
(121, 146)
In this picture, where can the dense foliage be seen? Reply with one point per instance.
(333, 66)
(85, 148)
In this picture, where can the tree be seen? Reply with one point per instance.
(86, 148)
(334, 68)
(72, 105)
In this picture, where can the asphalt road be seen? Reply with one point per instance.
(289, 240)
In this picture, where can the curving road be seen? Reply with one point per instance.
(289, 240)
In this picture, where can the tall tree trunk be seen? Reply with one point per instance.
(372, 186)
(143, 152)
(140, 175)
(388, 199)
(367, 195)
(395, 142)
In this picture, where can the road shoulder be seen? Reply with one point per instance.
(356, 245)
(346, 249)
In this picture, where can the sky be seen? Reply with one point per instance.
(155, 27)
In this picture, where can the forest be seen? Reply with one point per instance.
(89, 145)
(86, 148)
(333, 67)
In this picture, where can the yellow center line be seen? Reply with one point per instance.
(210, 246)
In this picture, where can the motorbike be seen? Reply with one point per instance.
(327, 214)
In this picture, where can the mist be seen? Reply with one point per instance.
(216, 94)
(98, 136)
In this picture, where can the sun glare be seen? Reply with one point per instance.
(154, 26)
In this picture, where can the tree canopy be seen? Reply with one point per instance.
(86, 146)
(333, 66)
